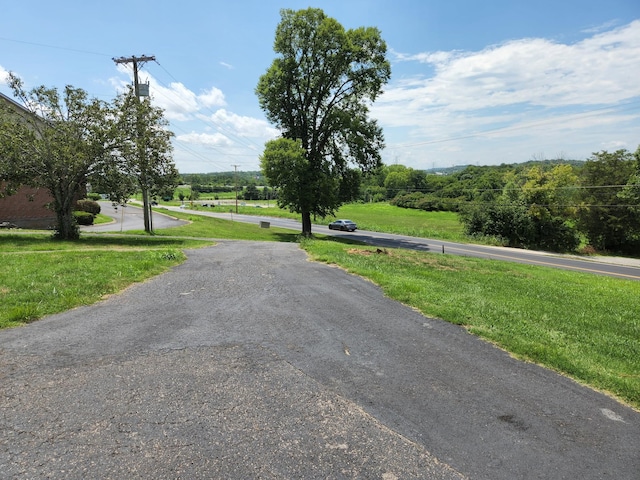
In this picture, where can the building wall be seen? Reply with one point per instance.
(27, 208)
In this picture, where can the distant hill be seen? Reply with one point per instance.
(515, 166)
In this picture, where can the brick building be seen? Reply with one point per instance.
(27, 208)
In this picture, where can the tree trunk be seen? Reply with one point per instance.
(67, 228)
(66, 225)
(306, 224)
(146, 208)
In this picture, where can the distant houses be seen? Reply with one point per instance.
(27, 208)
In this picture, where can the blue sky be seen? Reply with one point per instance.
(472, 82)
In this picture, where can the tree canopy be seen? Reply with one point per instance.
(141, 155)
(317, 92)
(61, 141)
(608, 215)
(55, 146)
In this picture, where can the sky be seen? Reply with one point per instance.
(480, 83)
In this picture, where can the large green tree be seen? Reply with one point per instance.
(317, 91)
(141, 157)
(631, 192)
(56, 145)
(535, 210)
(610, 220)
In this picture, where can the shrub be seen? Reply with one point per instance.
(89, 206)
(94, 196)
(83, 218)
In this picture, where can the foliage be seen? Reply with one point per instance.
(115, 183)
(543, 204)
(608, 213)
(83, 218)
(317, 92)
(221, 179)
(59, 142)
(427, 202)
(251, 192)
(142, 155)
(285, 164)
(532, 212)
(55, 145)
(90, 206)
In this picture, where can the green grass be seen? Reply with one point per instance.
(382, 217)
(40, 276)
(377, 217)
(100, 219)
(212, 227)
(585, 326)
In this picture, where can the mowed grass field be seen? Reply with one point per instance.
(40, 276)
(380, 217)
(584, 326)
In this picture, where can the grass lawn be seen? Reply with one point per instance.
(217, 228)
(382, 217)
(40, 276)
(378, 217)
(585, 326)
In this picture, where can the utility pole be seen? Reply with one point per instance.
(235, 178)
(146, 205)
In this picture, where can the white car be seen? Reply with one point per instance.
(345, 225)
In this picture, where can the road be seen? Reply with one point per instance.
(129, 217)
(626, 268)
(249, 361)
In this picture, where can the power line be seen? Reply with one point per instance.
(241, 140)
(237, 139)
(76, 50)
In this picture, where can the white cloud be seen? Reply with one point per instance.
(599, 28)
(205, 139)
(519, 89)
(4, 75)
(178, 102)
(598, 70)
(243, 126)
(212, 98)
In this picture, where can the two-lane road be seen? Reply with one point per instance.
(615, 267)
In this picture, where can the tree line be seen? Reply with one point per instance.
(552, 205)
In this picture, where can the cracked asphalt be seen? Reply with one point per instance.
(249, 361)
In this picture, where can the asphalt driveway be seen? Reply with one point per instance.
(249, 361)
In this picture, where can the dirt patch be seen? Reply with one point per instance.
(436, 263)
(366, 253)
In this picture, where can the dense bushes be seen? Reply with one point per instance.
(89, 206)
(426, 202)
(516, 226)
(83, 218)
(86, 211)
(549, 205)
